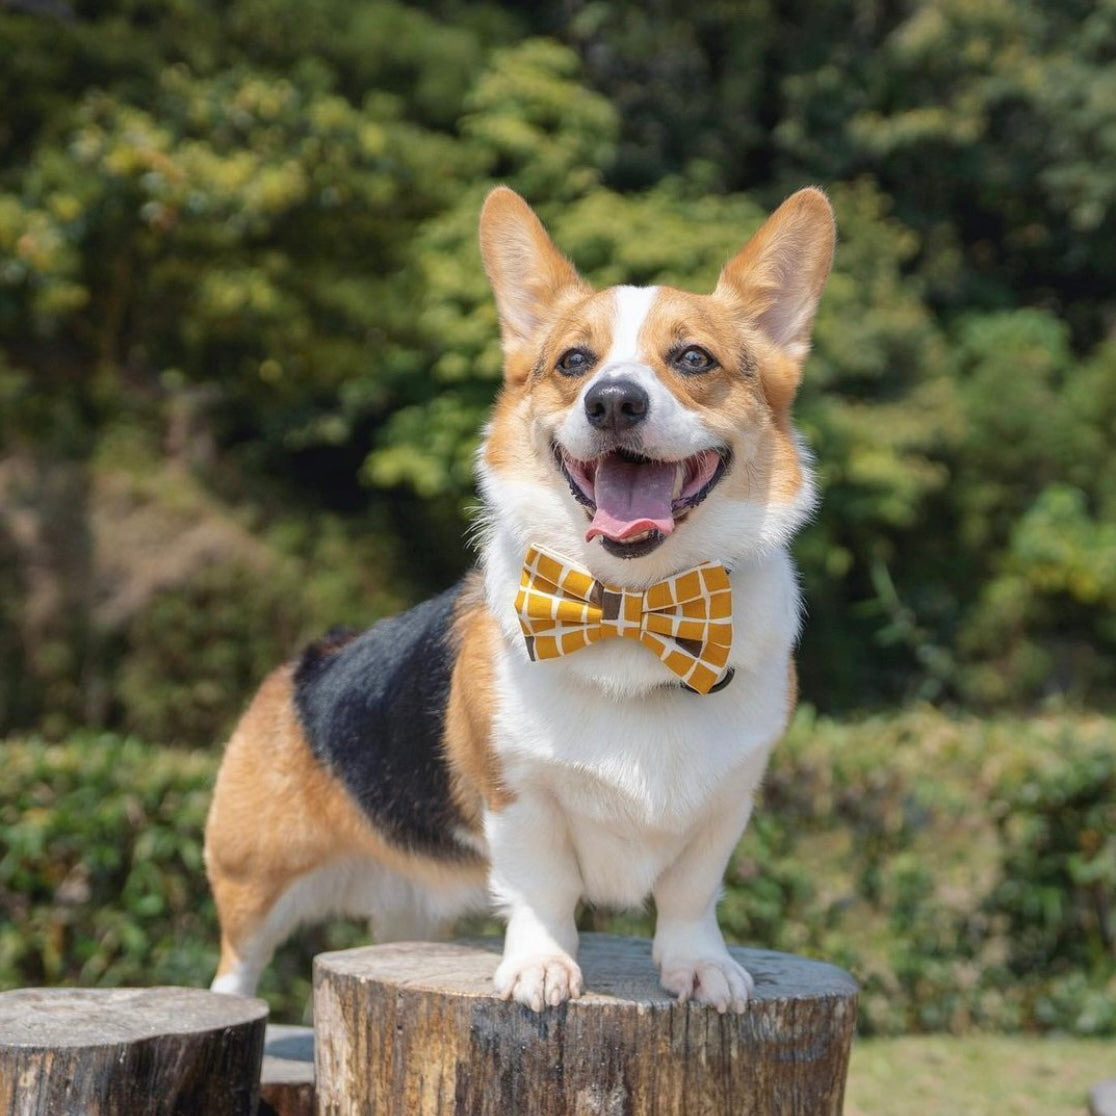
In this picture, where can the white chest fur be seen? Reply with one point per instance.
(632, 763)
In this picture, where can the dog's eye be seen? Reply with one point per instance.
(575, 362)
(693, 360)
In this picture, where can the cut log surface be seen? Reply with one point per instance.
(415, 1029)
(129, 1052)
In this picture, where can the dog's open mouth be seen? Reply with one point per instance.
(635, 501)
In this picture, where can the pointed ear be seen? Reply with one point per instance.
(526, 271)
(779, 274)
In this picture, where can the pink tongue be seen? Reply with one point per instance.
(632, 498)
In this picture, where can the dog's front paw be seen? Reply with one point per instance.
(538, 982)
(719, 981)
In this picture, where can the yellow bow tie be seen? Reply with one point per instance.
(685, 619)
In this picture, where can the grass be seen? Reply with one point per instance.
(979, 1075)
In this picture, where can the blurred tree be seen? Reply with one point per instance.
(1035, 503)
(989, 122)
(203, 245)
(241, 231)
(239, 240)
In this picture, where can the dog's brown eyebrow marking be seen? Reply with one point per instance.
(747, 360)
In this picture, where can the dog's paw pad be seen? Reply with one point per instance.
(720, 982)
(538, 982)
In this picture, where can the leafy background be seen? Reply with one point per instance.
(246, 346)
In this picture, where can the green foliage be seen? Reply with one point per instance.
(535, 125)
(101, 864)
(108, 241)
(149, 603)
(194, 650)
(245, 233)
(964, 871)
(1034, 503)
(1056, 898)
(1058, 893)
(985, 120)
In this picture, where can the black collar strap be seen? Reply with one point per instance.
(730, 674)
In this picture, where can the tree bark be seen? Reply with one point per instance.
(415, 1029)
(129, 1052)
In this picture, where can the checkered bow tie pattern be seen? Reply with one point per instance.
(686, 620)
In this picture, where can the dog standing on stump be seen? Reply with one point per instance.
(589, 713)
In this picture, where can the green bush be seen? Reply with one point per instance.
(195, 650)
(101, 878)
(102, 881)
(962, 870)
(1056, 896)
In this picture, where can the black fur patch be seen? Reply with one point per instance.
(373, 706)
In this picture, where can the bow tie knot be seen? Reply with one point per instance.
(686, 619)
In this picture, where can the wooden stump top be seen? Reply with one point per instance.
(61, 1018)
(617, 970)
(411, 1029)
(134, 1051)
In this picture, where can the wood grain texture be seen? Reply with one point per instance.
(129, 1052)
(414, 1029)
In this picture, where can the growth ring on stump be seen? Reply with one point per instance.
(414, 1029)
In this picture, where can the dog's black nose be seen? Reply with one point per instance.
(616, 404)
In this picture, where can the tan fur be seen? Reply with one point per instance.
(511, 414)
(477, 778)
(278, 814)
(758, 334)
(736, 396)
(531, 384)
(786, 253)
(545, 293)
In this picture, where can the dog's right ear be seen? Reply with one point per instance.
(526, 270)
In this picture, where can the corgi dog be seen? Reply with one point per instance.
(589, 713)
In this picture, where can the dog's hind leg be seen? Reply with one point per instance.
(279, 827)
(253, 925)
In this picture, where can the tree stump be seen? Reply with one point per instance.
(287, 1077)
(129, 1052)
(414, 1029)
(1102, 1099)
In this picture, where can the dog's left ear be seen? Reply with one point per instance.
(526, 270)
(779, 274)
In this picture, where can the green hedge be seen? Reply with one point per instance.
(964, 871)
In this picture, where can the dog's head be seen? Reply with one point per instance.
(644, 429)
